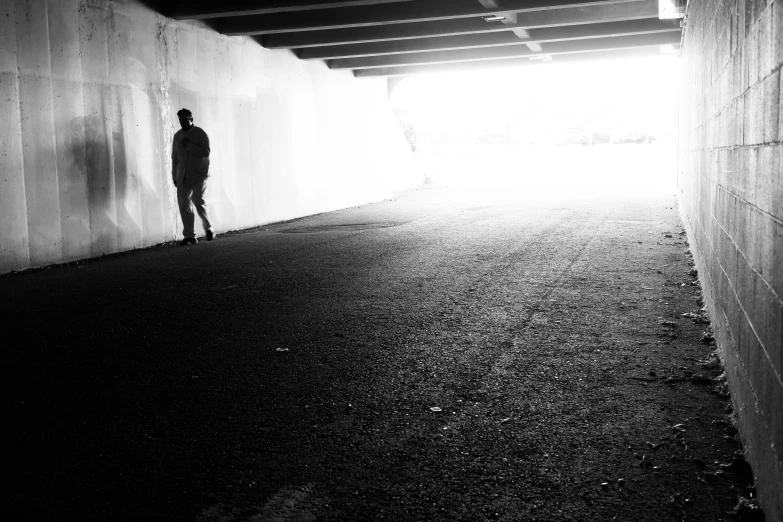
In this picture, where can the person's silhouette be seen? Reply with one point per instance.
(189, 171)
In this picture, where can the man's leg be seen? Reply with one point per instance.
(199, 188)
(184, 192)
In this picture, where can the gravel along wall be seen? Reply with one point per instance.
(731, 198)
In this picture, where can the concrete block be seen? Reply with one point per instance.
(752, 53)
(771, 100)
(118, 46)
(745, 63)
(205, 64)
(722, 170)
(765, 42)
(758, 118)
(742, 22)
(773, 330)
(745, 287)
(14, 246)
(777, 187)
(773, 403)
(768, 169)
(769, 392)
(739, 136)
(187, 59)
(733, 138)
(755, 436)
(8, 38)
(92, 45)
(142, 70)
(40, 169)
(32, 38)
(63, 30)
(71, 172)
(756, 359)
(750, 174)
(754, 244)
(124, 168)
(777, 34)
(757, 10)
(733, 25)
(731, 262)
(121, 128)
(69, 128)
(150, 173)
(731, 216)
(745, 343)
(733, 310)
(756, 314)
(725, 203)
(775, 278)
(98, 166)
(736, 77)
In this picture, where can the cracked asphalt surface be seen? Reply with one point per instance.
(451, 354)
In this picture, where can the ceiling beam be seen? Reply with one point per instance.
(508, 51)
(549, 18)
(499, 38)
(203, 9)
(368, 16)
(607, 54)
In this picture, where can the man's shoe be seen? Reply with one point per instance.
(210, 235)
(188, 241)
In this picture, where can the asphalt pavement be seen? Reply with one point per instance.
(453, 353)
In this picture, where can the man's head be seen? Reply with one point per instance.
(185, 118)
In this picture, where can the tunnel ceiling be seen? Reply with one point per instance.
(402, 37)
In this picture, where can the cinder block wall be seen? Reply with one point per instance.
(89, 91)
(731, 199)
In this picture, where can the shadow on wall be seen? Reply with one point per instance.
(102, 159)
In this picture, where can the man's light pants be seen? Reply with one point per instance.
(188, 195)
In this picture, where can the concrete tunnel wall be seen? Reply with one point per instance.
(731, 199)
(89, 91)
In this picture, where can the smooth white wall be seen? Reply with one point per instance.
(89, 91)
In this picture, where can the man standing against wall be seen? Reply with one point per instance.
(190, 170)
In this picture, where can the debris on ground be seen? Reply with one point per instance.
(701, 379)
(435, 409)
(712, 363)
(707, 337)
(698, 317)
(281, 349)
(747, 510)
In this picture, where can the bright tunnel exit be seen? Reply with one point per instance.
(551, 131)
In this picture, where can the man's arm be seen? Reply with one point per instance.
(198, 146)
(174, 161)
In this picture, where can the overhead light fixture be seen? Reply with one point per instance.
(494, 18)
(668, 9)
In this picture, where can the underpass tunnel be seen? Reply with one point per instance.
(297, 100)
